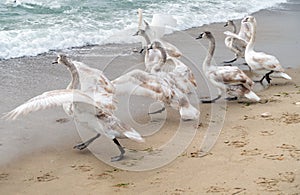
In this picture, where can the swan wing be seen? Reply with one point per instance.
(184, 71)
(138, 82)
(95, 84)
(49, 99)
(233, 35)
(268, 62)
(92, 77)
(231, 75)
(113, 127)
(171, 49)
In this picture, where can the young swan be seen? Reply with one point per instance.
(87, 112)
(91, 81)
(260, 62)
(237, 46)
(229, 79)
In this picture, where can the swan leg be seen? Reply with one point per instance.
(120, 157)
(261, 80)
(85, 144)
(230, 61)
(211, 101)
(268, 76)
(158, 111)
(141, 51)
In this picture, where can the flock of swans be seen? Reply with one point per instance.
(90, 98)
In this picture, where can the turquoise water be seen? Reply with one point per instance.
(32, 27)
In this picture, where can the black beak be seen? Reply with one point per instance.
(200, 36)
(56, 61)
(151, 47)
(226, 24)
(136, 34)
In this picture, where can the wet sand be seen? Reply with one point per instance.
(253, 154)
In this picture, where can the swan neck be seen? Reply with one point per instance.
(147, 39)
(234, 28)
(164, 54)
(74, 84)
(210, 52)
(253, 36)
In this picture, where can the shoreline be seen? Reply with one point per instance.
(265, 156)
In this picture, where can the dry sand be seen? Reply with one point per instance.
(254, 154)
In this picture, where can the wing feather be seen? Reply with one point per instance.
(48, 100)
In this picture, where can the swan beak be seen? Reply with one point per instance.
(56, 61)
(136, 34)
(226, 24)
(200, 36)
(150, 47)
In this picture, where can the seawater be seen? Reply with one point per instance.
(32, 27)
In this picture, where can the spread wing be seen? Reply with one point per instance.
(231, 75)
(48, 100)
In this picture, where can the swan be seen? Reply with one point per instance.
(181, 73)
(260, 62)
(229, 79)
(159, 63)
(87, 111)
(91, 81)
(155, 31)
(141, 83)
(237, 46)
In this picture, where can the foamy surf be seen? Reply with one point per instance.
(32, 27)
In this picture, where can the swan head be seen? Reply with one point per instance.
(205, 34)
(249, 19)
(140, 32)
(155, 45)
(61, 59)
(229, 23)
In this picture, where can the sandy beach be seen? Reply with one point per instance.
(257, 152)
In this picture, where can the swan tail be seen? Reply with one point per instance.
(189, 113)
(134, 135)
(252, 96)
(281, 75)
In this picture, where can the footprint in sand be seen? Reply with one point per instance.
(287, 118)
(4, 176)
(268, 184)
(272, 184)
(223, 190)
(290, 118)
(62, 120)
(237, 143)
(288, 177)
(101, 176)
(83, 168)
(274, 156)
(294, 152)
(267, 133)
(46, 177)
(251, 152)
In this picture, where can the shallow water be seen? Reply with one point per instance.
(32, 27)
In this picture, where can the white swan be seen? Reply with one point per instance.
(156, 30)
(91, 81)
(87, 111)
(229, 79)
(141, 83)
(261, 63)
(237, 46)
